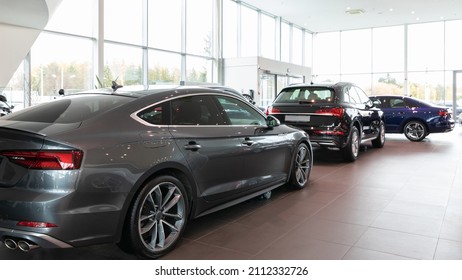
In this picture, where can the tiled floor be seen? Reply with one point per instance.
(400, 202)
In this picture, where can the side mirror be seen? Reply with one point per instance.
(2, 98)
(376, 103)
(272, 121)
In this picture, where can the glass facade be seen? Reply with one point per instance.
(148, 42)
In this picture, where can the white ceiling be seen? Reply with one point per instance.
(330, 15)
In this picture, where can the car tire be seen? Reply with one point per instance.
(379, 142)
(351, 150)
(415, 131)
(157, 218)
(301, 167)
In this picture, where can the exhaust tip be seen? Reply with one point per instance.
(25, 246)
(10, 244)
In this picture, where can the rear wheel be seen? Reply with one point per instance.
(351, 151)
(379, 142)
(157, 218)
(301, 169)
(415, 131)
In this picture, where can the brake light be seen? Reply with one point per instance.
(335, 111)
(35, 224)
(443, 113)
(271, 110)
(46, 160)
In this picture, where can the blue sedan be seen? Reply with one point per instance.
(413, 117)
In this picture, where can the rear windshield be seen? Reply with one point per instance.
(69, 109)
(306, 94)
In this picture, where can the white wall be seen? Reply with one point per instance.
(21, 22)
(244, 73)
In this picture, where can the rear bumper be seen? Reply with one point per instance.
(40, 239)
(443, 126)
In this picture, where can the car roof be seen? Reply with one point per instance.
(140, 91)
(326, 85)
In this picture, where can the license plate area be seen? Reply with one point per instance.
(298, 118)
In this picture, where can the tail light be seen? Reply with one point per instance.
(335, 111)
(46, 160)
(443, 113)
(271, 110)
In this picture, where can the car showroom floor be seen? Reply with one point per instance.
(400, 202)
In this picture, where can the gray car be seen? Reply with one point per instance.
(132, 167)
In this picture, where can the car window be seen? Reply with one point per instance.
(397, 103)
(384, 102)
(157, 114)
(414, 104)
(196, 110)
(240, 113)
(69, 109)
(351, 95)
(363, 98)
(305, 94)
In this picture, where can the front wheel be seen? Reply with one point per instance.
(301, 167)
(157, 218)
(415, 131)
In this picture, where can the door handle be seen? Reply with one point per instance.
(247, 142)
(192, 146)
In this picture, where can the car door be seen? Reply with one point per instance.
(266, 152)
(369, 115)
(396, 112)
(211, 148)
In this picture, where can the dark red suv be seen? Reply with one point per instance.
(339, 116)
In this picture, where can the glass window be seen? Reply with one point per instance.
(249, 32)
(123, 21)
(453, 45)
(308, 49)
(155, 115)
(356, 51)
(297, 46)
(397, 103)
(199, 27)
(364, 81)
(199, 70)
(427, 86)
(164, 24)
(388, 83)
(230, 26)
(268, 36)
(240, 113)
(388, 49)
(122, 64)
(285, 42)
(306, 94)
(60, 62)
(426, 46)
(362, 95)
(163, 68)
(327, 53)
(14, 91)
(195, 110)
(69, 110)
(75, 17)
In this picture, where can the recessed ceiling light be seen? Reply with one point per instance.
(413, 12)
(355, 11)
(391, 9)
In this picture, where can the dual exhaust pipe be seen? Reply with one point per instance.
(22, 244)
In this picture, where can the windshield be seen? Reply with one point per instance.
(69, 109)
(306, 94)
